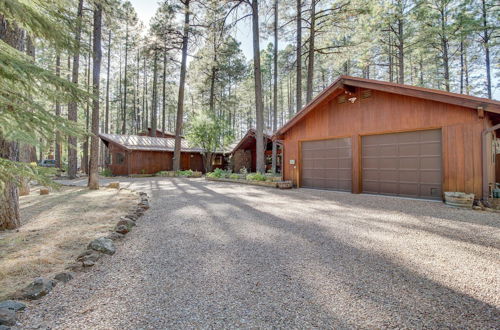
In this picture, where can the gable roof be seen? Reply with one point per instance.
(345, 82)
(250, 134)
(147, 143)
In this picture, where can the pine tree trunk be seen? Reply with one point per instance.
(164, 95)
(401, 48)
(259, 111)
(85, 158)
(275, 86)
(298, 81)
(125, 85)
(106, 114)
(72, 106)
(96, 71)
(154, 101)
(182, 82)
(461, 66)
(9, 196)
(58, 114)
(486, 40)
(310, 64)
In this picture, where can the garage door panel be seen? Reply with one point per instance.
(327, 164)
(431, 149)
(410, 149)
(431, 177)
(409, 189)
(370, 150)
(405, 164)
(408, 163)
(387, 150)
(430, 163)
(409, 176)
(387, 187)
(388, 175)
(389, 162)
(430, 191)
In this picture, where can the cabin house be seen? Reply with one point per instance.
(133, 154)
(368, 136)
(243, 154)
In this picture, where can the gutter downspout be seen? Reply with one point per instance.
(486, 191)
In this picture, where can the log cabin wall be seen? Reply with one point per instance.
(383, 112)
(119, 159)
(150, 162)
(126, 162)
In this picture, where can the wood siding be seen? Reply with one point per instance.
(385, 113)
(150, 162)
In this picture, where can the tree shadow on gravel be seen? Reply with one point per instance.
(207, 259)
(387, 290)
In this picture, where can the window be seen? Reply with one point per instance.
(217, 160)
(119, 158)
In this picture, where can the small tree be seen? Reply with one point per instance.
(210, 133)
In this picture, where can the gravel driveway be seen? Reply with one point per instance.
(220, 255)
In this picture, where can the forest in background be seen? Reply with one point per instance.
(72, 66)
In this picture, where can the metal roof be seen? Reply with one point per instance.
(147, 143)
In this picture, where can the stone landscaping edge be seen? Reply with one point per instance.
(273, 184)
(97, 248)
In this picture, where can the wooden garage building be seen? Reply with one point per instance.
(133, 154)
(368, 136)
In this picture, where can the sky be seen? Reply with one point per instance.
(146, 9)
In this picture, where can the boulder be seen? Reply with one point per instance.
(126, 222)
(74, 267)
(7, 317)
(114, 236)
(144, 205)
(131, 216)
(44, 191)
(88, 263)
(102, 244)
(37, 289)
(121, 229)
(63, 277)
(89, 258)
(114, 185)
(12, 305)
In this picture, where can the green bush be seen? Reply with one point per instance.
(185, 173)
(256, 177)
(219, 173)
(234, 176)
(106, 172)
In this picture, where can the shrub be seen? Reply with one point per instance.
(256, 177)
(106, 172)
(234, 176)
(219, 173)
(185, 173)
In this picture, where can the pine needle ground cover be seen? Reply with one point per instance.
(55, 229)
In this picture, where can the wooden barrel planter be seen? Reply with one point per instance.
(459, 199)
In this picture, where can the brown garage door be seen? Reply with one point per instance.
(327, 164)
(404, 164)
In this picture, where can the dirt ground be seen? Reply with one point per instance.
(55, 229)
